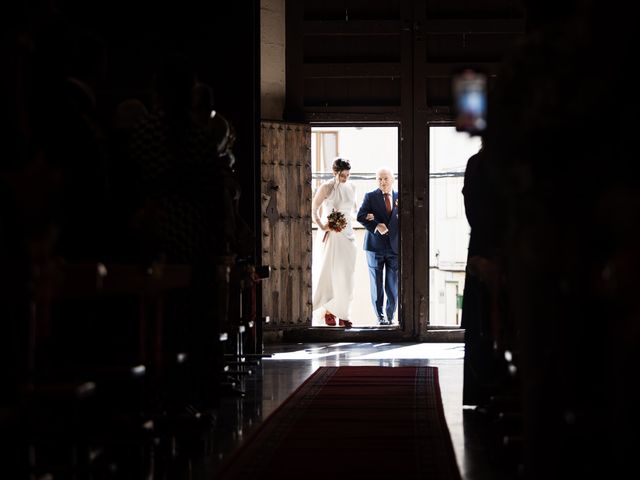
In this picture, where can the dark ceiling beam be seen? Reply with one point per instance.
(352, 70)
(447, 69)
(358, 27)
(470, 25)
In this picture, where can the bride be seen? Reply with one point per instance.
(335, 284)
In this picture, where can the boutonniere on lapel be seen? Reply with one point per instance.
(397, 210)
(396, 203)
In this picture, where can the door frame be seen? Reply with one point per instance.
(406, 327)
(431, 43)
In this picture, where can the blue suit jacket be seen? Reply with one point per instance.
(374, 203)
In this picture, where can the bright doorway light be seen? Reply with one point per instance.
(367, 148)
(449, 230)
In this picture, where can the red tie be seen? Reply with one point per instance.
(387, 201)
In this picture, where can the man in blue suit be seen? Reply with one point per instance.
(379, 215)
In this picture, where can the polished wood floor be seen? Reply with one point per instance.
(270, 383)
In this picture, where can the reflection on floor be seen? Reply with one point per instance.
(290, 364)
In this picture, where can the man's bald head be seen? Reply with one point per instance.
(384, 177)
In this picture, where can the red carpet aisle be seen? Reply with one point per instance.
(352, 423)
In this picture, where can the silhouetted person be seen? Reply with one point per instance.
(185, 213)
(238, 237)
(124, 180)
(561, 139)
(68, 146)
(202, 104)
(66, 126)
(178, 163)
(480, 310)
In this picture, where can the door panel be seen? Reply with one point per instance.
(286, 223)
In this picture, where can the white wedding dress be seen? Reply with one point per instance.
(334, 277)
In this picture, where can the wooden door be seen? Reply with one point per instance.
(286, 223)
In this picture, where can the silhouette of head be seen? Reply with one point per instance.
(202, 102)
(128, 113)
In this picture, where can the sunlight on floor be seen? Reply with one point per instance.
(419, 351)
(386, 351)
(301, 355)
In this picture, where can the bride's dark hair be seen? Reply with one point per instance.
(340, 164)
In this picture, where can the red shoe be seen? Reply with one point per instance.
(330, 319)
(345, 323)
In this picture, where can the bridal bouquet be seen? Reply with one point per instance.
(336, 222)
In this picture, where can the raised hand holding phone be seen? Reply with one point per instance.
(470, 96)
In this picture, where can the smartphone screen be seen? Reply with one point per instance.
(470, 96)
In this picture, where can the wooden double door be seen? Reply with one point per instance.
(383, 62)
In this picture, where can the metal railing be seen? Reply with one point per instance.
(372, 176)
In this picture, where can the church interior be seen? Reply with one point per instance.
(155, 231)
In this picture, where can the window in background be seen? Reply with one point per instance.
(449, 151)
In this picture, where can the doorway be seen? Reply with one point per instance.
(367, 148)
(449, 230)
